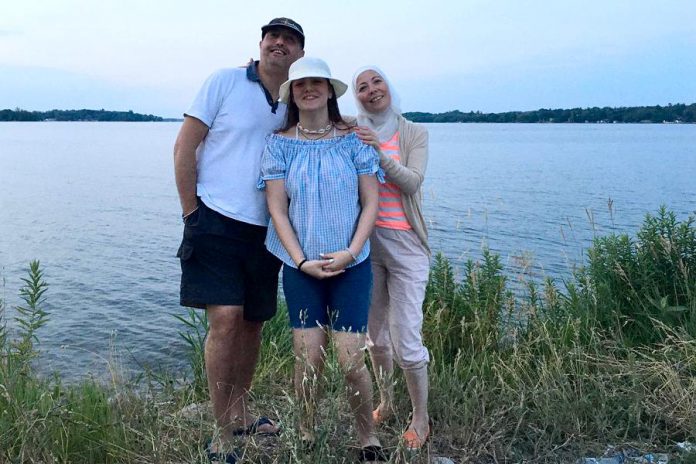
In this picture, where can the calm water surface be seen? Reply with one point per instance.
(97, 204)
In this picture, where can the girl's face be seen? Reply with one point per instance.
(372, 92)
(311, 93)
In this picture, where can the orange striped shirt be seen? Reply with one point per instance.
(391, 209)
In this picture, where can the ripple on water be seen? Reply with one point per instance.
(96, 204)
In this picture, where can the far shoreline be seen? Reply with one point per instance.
(679, 113)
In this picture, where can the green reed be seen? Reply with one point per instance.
(607, 356)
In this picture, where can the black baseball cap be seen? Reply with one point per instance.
(286, 23)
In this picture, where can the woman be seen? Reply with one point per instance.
(321, 188)
(400, 253)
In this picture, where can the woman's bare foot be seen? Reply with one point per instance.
(381, 414)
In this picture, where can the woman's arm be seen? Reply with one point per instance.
(408, 177)
(368, 190)
(277, 200)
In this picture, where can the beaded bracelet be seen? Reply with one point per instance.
(185, 216)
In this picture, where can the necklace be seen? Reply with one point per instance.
(320, 131)
(311, 137)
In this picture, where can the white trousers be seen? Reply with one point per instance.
(400, 267)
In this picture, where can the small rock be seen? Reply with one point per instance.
(441, 460)
(193, 411)
(686, 446)
(650, 458)
(606, 460)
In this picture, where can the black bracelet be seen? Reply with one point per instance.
(299, 266)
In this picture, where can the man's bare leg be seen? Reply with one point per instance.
(231, 352)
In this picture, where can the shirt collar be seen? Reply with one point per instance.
(252, 73)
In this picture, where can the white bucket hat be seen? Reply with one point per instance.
(310, 67)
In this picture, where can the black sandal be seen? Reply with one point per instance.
(219, 457)
(373, 453)
(308, 445)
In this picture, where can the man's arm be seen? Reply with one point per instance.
(191, 134)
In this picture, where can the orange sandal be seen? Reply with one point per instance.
(413, 442)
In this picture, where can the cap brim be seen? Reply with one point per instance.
(267, 27)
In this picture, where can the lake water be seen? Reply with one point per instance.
(97, 204)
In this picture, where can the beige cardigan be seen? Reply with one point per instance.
(409, 173)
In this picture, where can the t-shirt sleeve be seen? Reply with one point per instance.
(366, 160)
(209, 98)
(273, 163)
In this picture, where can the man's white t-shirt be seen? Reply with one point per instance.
(233, 105)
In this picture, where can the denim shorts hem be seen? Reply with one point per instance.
(341, 302)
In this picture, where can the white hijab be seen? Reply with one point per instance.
(386, 123)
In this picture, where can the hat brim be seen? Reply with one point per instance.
(338, 86)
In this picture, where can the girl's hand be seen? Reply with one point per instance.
(367, 136)
(317, 268)
(337, 261)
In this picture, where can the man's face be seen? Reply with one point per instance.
(280, 47)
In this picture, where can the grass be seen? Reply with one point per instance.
(606, 357)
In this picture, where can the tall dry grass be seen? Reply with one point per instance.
(605, 357)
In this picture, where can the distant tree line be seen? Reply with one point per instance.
(74, 115)
(637, 114)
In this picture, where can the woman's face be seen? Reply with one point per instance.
(311, 93)
(373, 92)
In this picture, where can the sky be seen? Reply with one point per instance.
(151, 56)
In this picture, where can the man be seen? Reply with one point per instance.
(226, 268)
